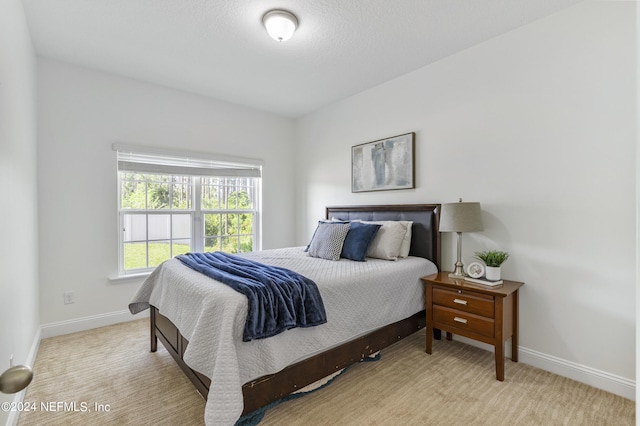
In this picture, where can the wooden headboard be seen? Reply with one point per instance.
(425, 238)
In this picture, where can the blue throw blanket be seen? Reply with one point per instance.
(279, 299)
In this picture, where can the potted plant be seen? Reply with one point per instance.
(493, 259)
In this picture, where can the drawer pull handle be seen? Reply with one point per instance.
(460, 301)
(462, 320)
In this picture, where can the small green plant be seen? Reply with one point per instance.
(492, 258)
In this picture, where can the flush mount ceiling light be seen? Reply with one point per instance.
(280, 24)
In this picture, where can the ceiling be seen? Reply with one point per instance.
(219, 48)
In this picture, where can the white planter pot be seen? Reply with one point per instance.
(492, 273)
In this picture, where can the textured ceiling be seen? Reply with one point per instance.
(218, 48)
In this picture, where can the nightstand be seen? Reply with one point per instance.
(487, 314)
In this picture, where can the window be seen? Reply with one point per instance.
(172, 204)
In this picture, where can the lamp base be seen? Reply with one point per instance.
(458, 271)
(458, 277)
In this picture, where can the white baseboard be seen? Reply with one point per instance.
(621, 386)
(18, 398)
(86, 323)
(581, 373)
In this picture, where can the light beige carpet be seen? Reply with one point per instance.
(111, 367)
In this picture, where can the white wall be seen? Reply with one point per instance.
(81, 113)
(539, 126)
(18, 206)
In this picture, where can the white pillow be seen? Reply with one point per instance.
(387, 243)
(406, 242)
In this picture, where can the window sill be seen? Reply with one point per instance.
(117, 279)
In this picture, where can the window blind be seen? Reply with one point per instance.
(149, 160)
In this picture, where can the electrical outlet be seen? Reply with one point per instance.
(68, 297)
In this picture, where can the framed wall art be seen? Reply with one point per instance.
(384, 164)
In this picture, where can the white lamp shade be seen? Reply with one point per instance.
(280, 24)
(461, 217)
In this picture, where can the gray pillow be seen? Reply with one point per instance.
(328, 240)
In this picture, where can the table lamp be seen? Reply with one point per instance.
(460, 217)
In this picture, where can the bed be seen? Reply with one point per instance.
(313, 353)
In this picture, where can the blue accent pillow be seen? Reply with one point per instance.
(358, 240)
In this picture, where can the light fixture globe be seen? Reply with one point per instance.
(280, 24)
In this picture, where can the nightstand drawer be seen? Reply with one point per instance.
(463, 321)
(475, 303)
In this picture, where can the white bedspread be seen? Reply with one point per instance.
(359, 297)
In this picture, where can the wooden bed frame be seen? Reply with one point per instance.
(264, 390)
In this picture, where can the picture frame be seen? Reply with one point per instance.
(383, 165)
